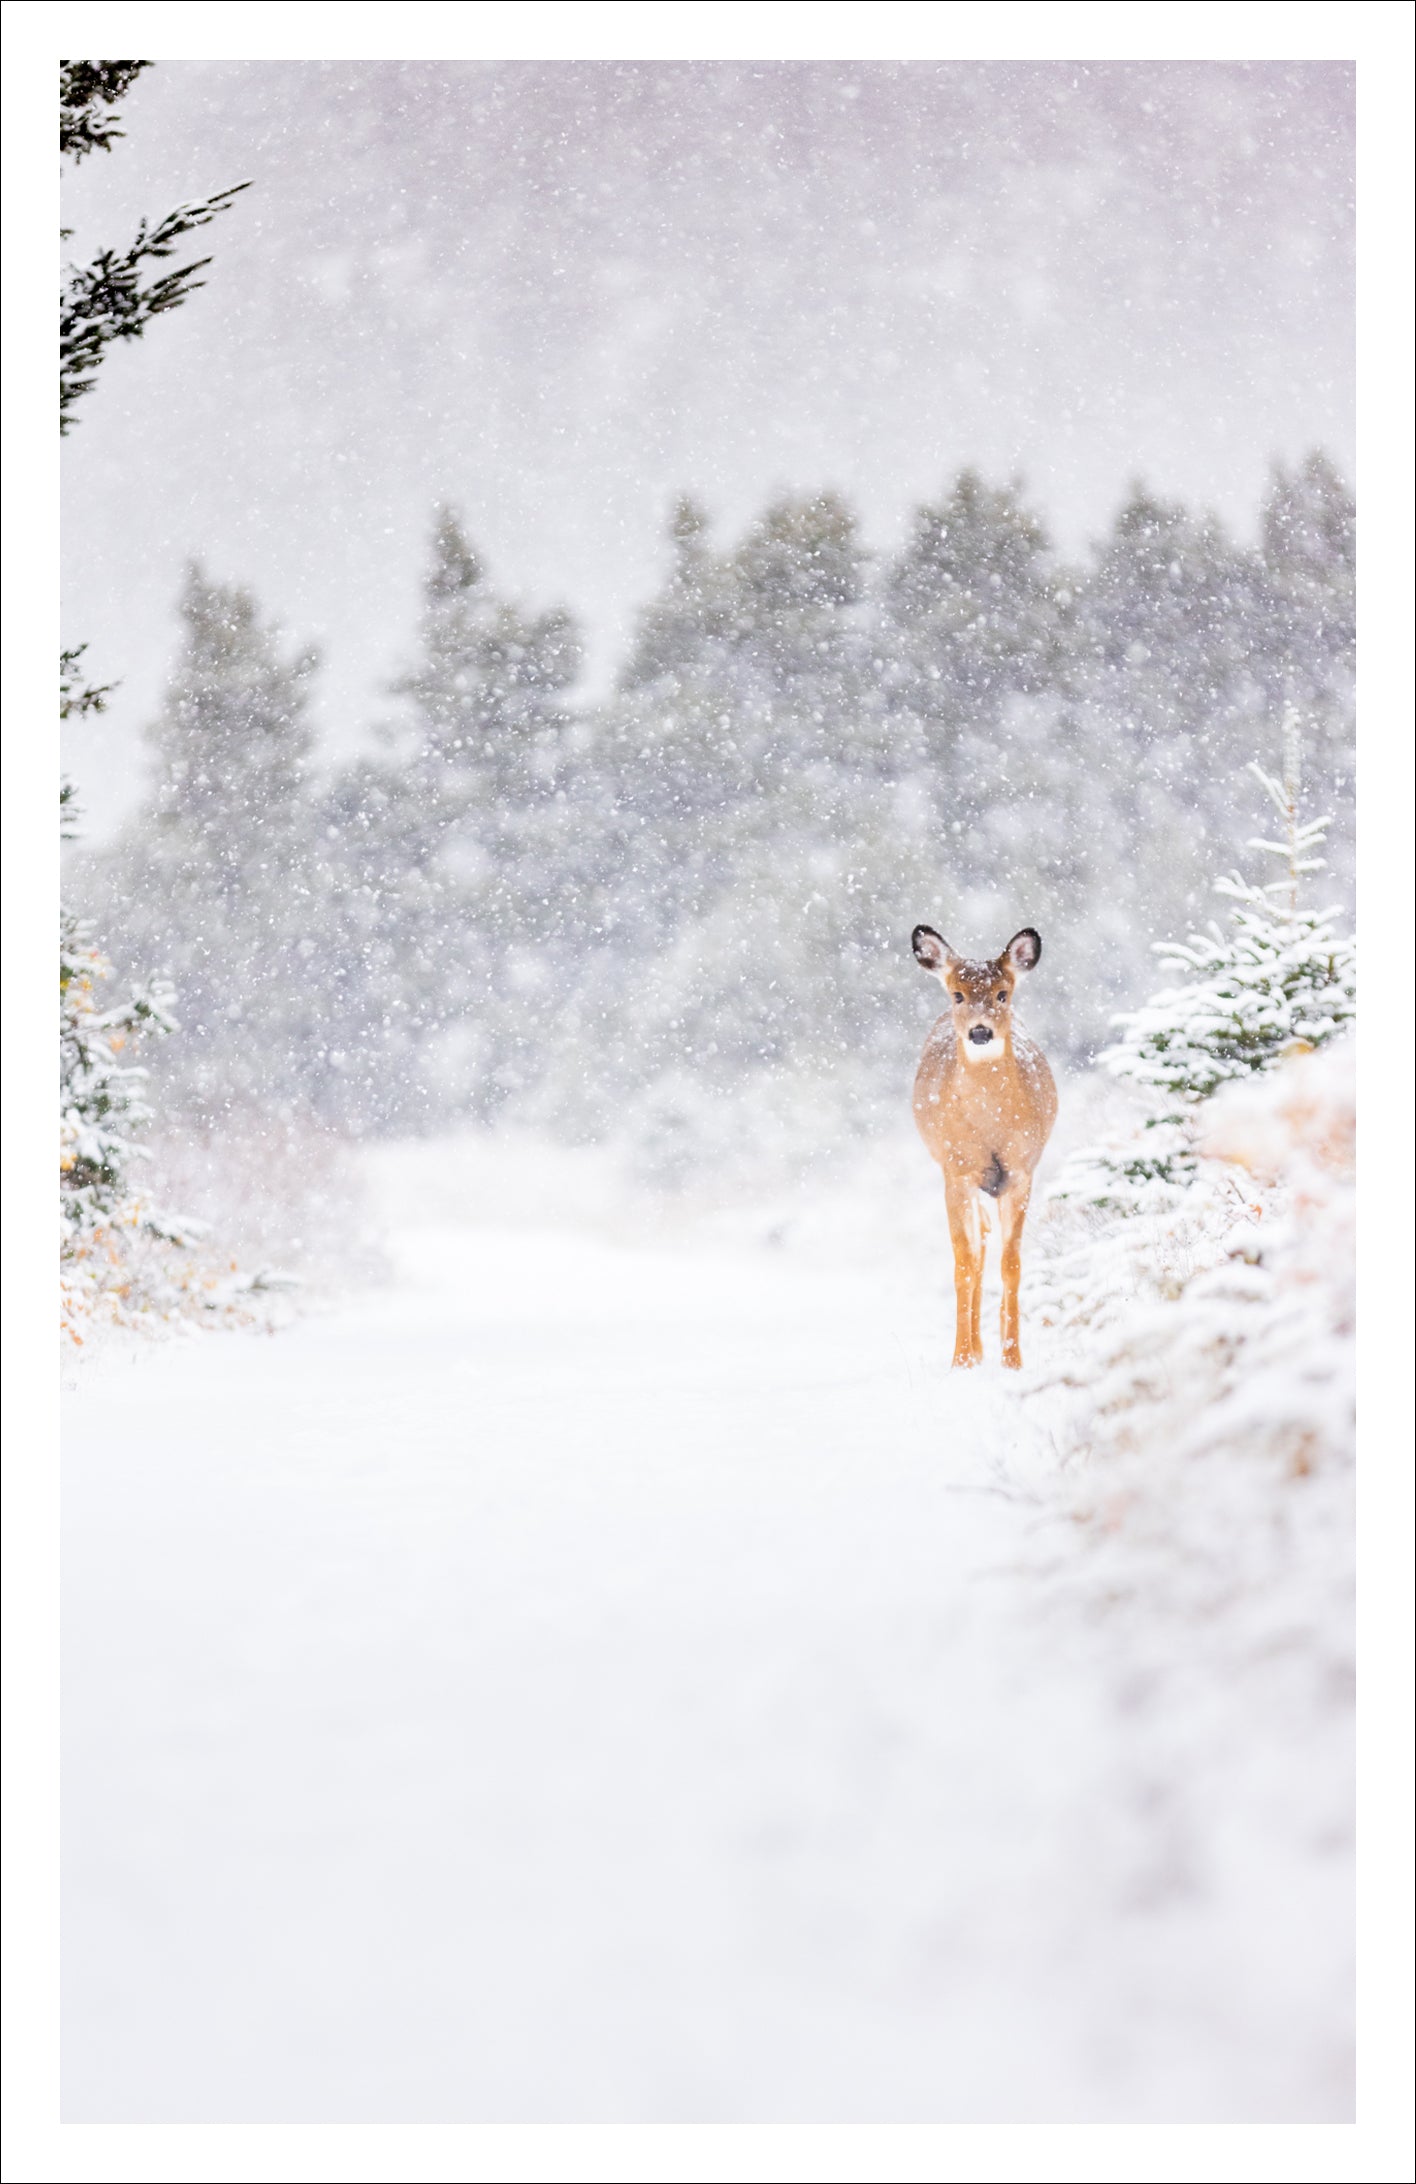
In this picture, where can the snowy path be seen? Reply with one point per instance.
(603, 1687)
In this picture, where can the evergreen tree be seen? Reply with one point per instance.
(1162, 657)
(1282, 975)
(1309, 523)
(774, 678)
(1160, 672)
(1307, 652)
(231, 743)
(104, 1214)
(486, 722)
(796, 657)
(968, 613)
(450, 847)
(215, 877)
(970, 622)
(664, 767)
(1281, 979)
(676, 629)
(100, 1098)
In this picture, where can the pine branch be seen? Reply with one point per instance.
(1275, 789)
(1303, 839)
(75, 697)
(86, 89)
(109, 301)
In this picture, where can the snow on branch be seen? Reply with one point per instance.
(109, 300)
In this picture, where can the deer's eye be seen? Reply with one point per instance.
(1002, 996)
(960, 999)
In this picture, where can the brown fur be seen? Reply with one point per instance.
(985, 1117)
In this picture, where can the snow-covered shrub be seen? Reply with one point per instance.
(1220, 1327)
(124, 1262)
(1192, 1374)
(100, 1097)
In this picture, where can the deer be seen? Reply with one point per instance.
(984, 1104)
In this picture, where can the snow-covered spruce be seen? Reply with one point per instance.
(103, 1214)
(1281, 980)
(101, 1102)
(123, 1260)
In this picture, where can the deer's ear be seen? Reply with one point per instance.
(1024, 949)
(931, 950)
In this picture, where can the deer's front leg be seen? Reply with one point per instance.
(1012, 1212)
(966, 1235)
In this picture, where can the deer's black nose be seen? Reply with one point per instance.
(980, 1035)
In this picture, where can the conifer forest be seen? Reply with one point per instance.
(622, 1565)
(660, 914)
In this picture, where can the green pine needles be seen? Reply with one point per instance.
(112, 299)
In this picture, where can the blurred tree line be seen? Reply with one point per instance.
(621, 917)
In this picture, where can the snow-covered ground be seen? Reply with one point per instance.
(611, 1676)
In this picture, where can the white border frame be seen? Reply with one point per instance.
(1377, 34)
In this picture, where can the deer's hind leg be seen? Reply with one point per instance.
(966, 1235)
(1012, 1212)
